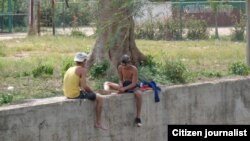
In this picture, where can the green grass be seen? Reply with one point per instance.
(199, 55)
(18, 57)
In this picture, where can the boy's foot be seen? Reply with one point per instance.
(138, 122)
(101, 127)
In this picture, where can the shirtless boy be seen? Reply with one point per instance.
(128, 81)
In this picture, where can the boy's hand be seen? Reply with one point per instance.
(121, 89)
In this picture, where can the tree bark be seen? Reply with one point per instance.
(115, 35)
(248, 33)
(32, 18)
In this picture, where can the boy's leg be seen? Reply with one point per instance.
(99, 106)
(138, 97)
(111, 86)
(98, 109)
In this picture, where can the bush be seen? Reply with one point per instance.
(78, 12)
(25, 73)
(99, 69)
(239, 68)
(145, 73)
(42, 69)
(175, 71)
(239, 29)
(171, 29)
(77, 33)
(161, 31)
(197, 29)
(67, 63)
(6, 98)
(145, 30)
(150, 63)
(238, 35)
(113, 78)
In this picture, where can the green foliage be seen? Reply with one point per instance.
(211, 74)
(169, 29)
(162, 32)
(175, 71)
(239, 29)
(113, 78)
(2, 46)
(77, 13)
(157, 0)
(238, 35)
(197, 29)
(174, 29)
(197, 55)
(97, 83)
(77, 33)
(145, 73)
(20, 29)
(67, 63)
(99, 69)
(6, 98)
(18, 7)
(25, 73)
(150, 63)
(145, 30)
(42, 69)
(239, 68)
(214, 5)
(1, 65)
(151, 70)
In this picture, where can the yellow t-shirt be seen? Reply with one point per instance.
(71, 83)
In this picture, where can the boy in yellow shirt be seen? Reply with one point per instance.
(75, 86)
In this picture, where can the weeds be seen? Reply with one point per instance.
(99, 69)
(211, 74)
(239, 68)
(197, 29)
(6, 98)
(238, 33)
(42, 70)
(77, 33)
(67, 63)
(175, 71)
(2, 46)
(193, 60)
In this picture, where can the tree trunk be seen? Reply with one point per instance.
(115, 35)
(53, 17)
(216, 24)
(32, 18)
(248, 33)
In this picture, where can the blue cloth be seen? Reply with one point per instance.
(155, 88)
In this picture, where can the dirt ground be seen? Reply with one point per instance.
(90, 31)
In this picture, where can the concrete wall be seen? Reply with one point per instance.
(58, 119)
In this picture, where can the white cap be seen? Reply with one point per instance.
(80, 57)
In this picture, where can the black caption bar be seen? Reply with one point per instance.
(208, 132)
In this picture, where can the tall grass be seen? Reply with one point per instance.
(196, 54)
(19, 57)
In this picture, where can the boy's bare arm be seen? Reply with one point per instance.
(83, 82)
(120, 75)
